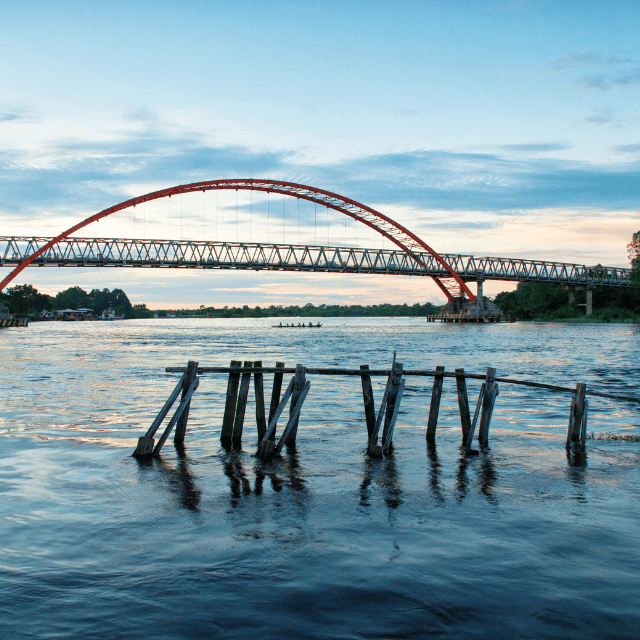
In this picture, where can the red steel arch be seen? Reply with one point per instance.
(452, 286)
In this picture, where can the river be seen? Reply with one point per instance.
(522, 541)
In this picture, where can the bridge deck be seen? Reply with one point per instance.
(96, 252)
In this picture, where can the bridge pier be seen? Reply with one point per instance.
(589, 301)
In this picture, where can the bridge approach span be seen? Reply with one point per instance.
(92, 252)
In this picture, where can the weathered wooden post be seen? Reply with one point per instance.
(298, 386)
(226, 434)
(367, 396)
(146, 442)
(241, 407)
(258, 386)
(434, 409)
(488, 400)
(275, 392)
(181, 426)
(389, 408)
(463, 404)
(577, 422)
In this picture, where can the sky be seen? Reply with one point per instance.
(492, 128)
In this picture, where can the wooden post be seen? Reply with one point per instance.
(435, 405)
(583, 431)
(176, 416)
(392, 399)
(577, 413)
(487, 406)
(258, 386)
(146, 442)
(241, 407)
(275, 393)
(373, 447)
(367, 396)
(388, 437)
(298, 386)
(286, 437)
(226, 434)
(267, 444)
(476, 413)
(181, 426)
(463, 404)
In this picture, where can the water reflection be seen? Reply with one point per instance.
(282, 472)
(435, 473)
(180, 480)
(577, 471)
(486, 472)
(383, 473)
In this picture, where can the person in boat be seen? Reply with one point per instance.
(318, 324)
(311, 324)
(281, 324)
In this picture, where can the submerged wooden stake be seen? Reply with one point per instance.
(367, 396)
(488, 401)
(298, 387)
(576, 417)
(226, 434)
(146, 442)
(190, 376)
(436, 394)
(258, 386)
(184, 403)
(463, 404)
(241, 407)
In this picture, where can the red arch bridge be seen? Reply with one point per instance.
(412, 256)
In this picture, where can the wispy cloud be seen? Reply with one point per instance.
(16, 113)
(89, 176)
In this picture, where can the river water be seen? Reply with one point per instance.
(522, 541)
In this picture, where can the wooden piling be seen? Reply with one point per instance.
(367, 396)
(487, 406)
(298, 387)
(258, 386)
(241, 406)
(476, 413)
(226, 433)
(463, 404)
(275, 392)
(393, 399)
(436, 394)
(267, 443)
(576, 416)
(181, 426)
(292, 424)
(373, 439)
(146, 442)
(184, 403)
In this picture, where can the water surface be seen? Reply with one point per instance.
(323, 542)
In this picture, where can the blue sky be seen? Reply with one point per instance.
(489, 128)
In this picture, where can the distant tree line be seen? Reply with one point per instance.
(25, 300)
(544, 301)
(310, 310)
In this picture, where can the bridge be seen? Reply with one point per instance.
(413, 256)
(188, 254)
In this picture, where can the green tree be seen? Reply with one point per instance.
(634, 258)
(25, 299)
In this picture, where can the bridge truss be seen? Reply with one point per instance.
(95, 252)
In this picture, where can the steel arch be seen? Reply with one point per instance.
(384, 225)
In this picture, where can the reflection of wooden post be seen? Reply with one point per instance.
(367, 395)
(298, 386)
(463, 403)
(436, 394)
(241, 407)
(487, 406)
(258, 386)
(226, 433)
(181, 426)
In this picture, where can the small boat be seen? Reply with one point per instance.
(296, 326)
